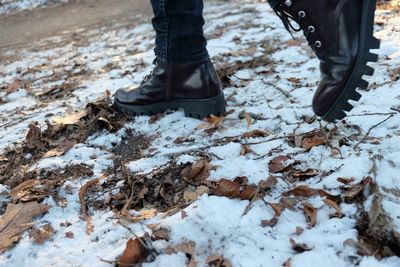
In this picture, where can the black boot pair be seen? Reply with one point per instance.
(339, 31)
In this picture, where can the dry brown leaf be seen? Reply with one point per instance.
(300, 248)
(187, 248)
(183, 139)
(248, 119)
(17, 191)
(245, 150)
(278, 211)
(310, 212)
(302, 175)
(212, 122)
(299, 230)
(18, 84)
(278, 164)
(143, 215)
(287, 263)
(332, 204)
(345, 181)
(311, 140)
(199, 171)
(354, 191)
(31, 190)
(70, 119)
(238, 188)
(69, 235)
(60, 150)
(160, 234)
(303, 191)
(218, 261)
(42, 234)
(17, 219)
(135, 252)
(254, 134)
(34, 136)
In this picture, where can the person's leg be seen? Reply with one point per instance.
(341, 34)
(184, 76)
(179, 30)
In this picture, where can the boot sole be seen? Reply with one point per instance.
(367, 42)
(195, 108)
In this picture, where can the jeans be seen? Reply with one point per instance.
(179, 31)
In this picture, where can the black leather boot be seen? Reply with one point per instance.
(195, 88)
(341, 34)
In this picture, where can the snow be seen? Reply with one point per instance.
(216, 224)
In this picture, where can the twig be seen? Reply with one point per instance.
(370, 129)
(85, 215)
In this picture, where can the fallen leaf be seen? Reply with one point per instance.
(278, 211)
(71, 118)
(31, 190)
(199, 171)
(311, 140)
(42, 234)
(300, 248)
(255, 134)
(355, 191)
(143, 215)
(248, 119)
(17, 219)
(345, 181)
(218, 261)
(69, 235)
(33, 136)
(135, 252)
(299, 230)
(238, 188)
(287, 263)
(302, 175)
(332, 204)
(60, 150)
(160, 234)
(303, 191)
(188, 248)
(245, 150)
(310, 212)
(183, 139)
(278, 164)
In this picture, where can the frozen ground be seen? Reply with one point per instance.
(10, 6)
(269, 82)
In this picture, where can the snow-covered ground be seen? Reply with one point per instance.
(270, 80)
(10, 6)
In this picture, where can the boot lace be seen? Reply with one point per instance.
(283, 9)
(147, 77)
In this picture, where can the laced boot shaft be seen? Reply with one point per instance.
(341, 33)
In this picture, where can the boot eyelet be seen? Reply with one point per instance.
(318, 44)
(311, 28)
(302, 14)
(288, 2)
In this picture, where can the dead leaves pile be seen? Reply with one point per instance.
(58, 138)
(17, 219)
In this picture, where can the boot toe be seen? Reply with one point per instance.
(126, 94)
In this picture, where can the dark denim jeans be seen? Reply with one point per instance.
(179, 31)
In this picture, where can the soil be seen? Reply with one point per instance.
(23, 28)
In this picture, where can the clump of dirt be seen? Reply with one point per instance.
(132, 146)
